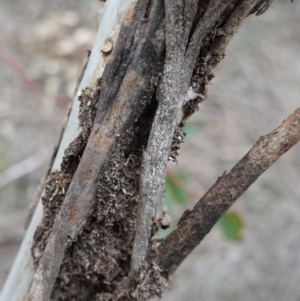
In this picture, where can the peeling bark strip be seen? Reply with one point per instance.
(125, 92)
(187, 24)
(58, 181)
(228, 188)
(87, 263)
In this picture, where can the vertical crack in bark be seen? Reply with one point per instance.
(201, 7)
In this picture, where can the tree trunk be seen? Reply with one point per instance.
(92, 234)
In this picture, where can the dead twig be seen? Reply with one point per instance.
(228, 188)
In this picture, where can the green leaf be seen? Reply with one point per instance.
(176, 187)
(193, 128)
(232, 226)
(168, 201)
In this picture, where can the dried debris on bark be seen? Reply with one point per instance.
(96, 264)
(58, 181)
(100, 258)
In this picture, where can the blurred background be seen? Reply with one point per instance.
(253, 252)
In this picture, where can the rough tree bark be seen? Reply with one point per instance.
(91, 236)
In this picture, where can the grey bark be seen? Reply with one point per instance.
(187, 23)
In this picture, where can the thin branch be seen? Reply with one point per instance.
(228, 188)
